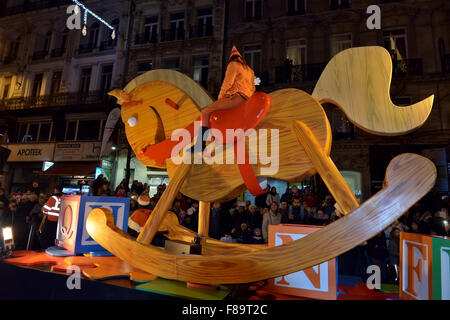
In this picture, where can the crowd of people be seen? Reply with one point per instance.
(233, 221)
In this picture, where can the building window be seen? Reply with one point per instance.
(144, 66)
(395, 43)
(34, 132)
(200, 70)
(353, 179)
(296, 7)
(106, 77)
(252, 54)
(402, 101)
(176, 31)
(85, 80)
(93, 35)
(253, 9)
(295, 63)
(340, 4)
(151, 29)
(14, 49)
(173, 64)
(204, 22)
(56, 82)
(296, 51)
(83, 130)
(37, 85)
(71, 130)
(6, 87)
(340, 42)
(341, 126)
(47, 41)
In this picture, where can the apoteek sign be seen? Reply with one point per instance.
(30, 152)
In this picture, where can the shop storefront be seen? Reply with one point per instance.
(23, 163)
(75, 165)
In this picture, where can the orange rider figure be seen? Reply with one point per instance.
(237, 87)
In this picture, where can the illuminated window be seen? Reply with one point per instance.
(200, 70)
(340, 42)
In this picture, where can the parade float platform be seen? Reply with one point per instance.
(39, 276)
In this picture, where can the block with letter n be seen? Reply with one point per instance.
(318, 282)
(72, 234)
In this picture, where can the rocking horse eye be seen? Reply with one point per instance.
(132, 121)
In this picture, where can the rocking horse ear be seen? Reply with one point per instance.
(121, 95)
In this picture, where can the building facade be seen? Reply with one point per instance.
(182, 35)
(53, 85)
(288, 43)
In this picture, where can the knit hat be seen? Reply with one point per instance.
(144, 200)
(234, 51)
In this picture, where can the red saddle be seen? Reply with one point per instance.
(245, 116)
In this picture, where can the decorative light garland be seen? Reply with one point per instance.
(86, 11)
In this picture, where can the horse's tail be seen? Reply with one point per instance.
(358, 81)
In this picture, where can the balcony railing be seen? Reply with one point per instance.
(35, 5)
(56, 100)
(86, 48)
(446, 63)
(39, 55)
(57, 52)
(145, 38)
(304, 72)
(172, 35)
(107, 45)
(413, 67)
(201, 30)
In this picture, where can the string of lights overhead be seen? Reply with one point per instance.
(88, 11)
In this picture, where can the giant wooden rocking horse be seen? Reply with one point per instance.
(356, 80)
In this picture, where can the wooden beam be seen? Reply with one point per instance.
(203, 218)
(409, 177)
(164, 204)
(333, 179)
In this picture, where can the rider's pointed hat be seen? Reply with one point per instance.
(234, 51)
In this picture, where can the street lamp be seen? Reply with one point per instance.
(8, 241)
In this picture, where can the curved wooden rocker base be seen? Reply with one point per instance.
(408, 178)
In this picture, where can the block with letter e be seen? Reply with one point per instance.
(318, 282)
(72, 234)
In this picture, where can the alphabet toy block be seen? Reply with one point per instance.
(441, 268)
(425, 267)
(318, 282)
(72, 234)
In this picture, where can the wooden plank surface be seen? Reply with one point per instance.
(164, 204)
(333, 179)
(408, 178)
(358, 81)
(210, 182)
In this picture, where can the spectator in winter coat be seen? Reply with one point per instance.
(394, 246)
(257, 237)
(273, 216)
(273, 196)
(296, 212)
